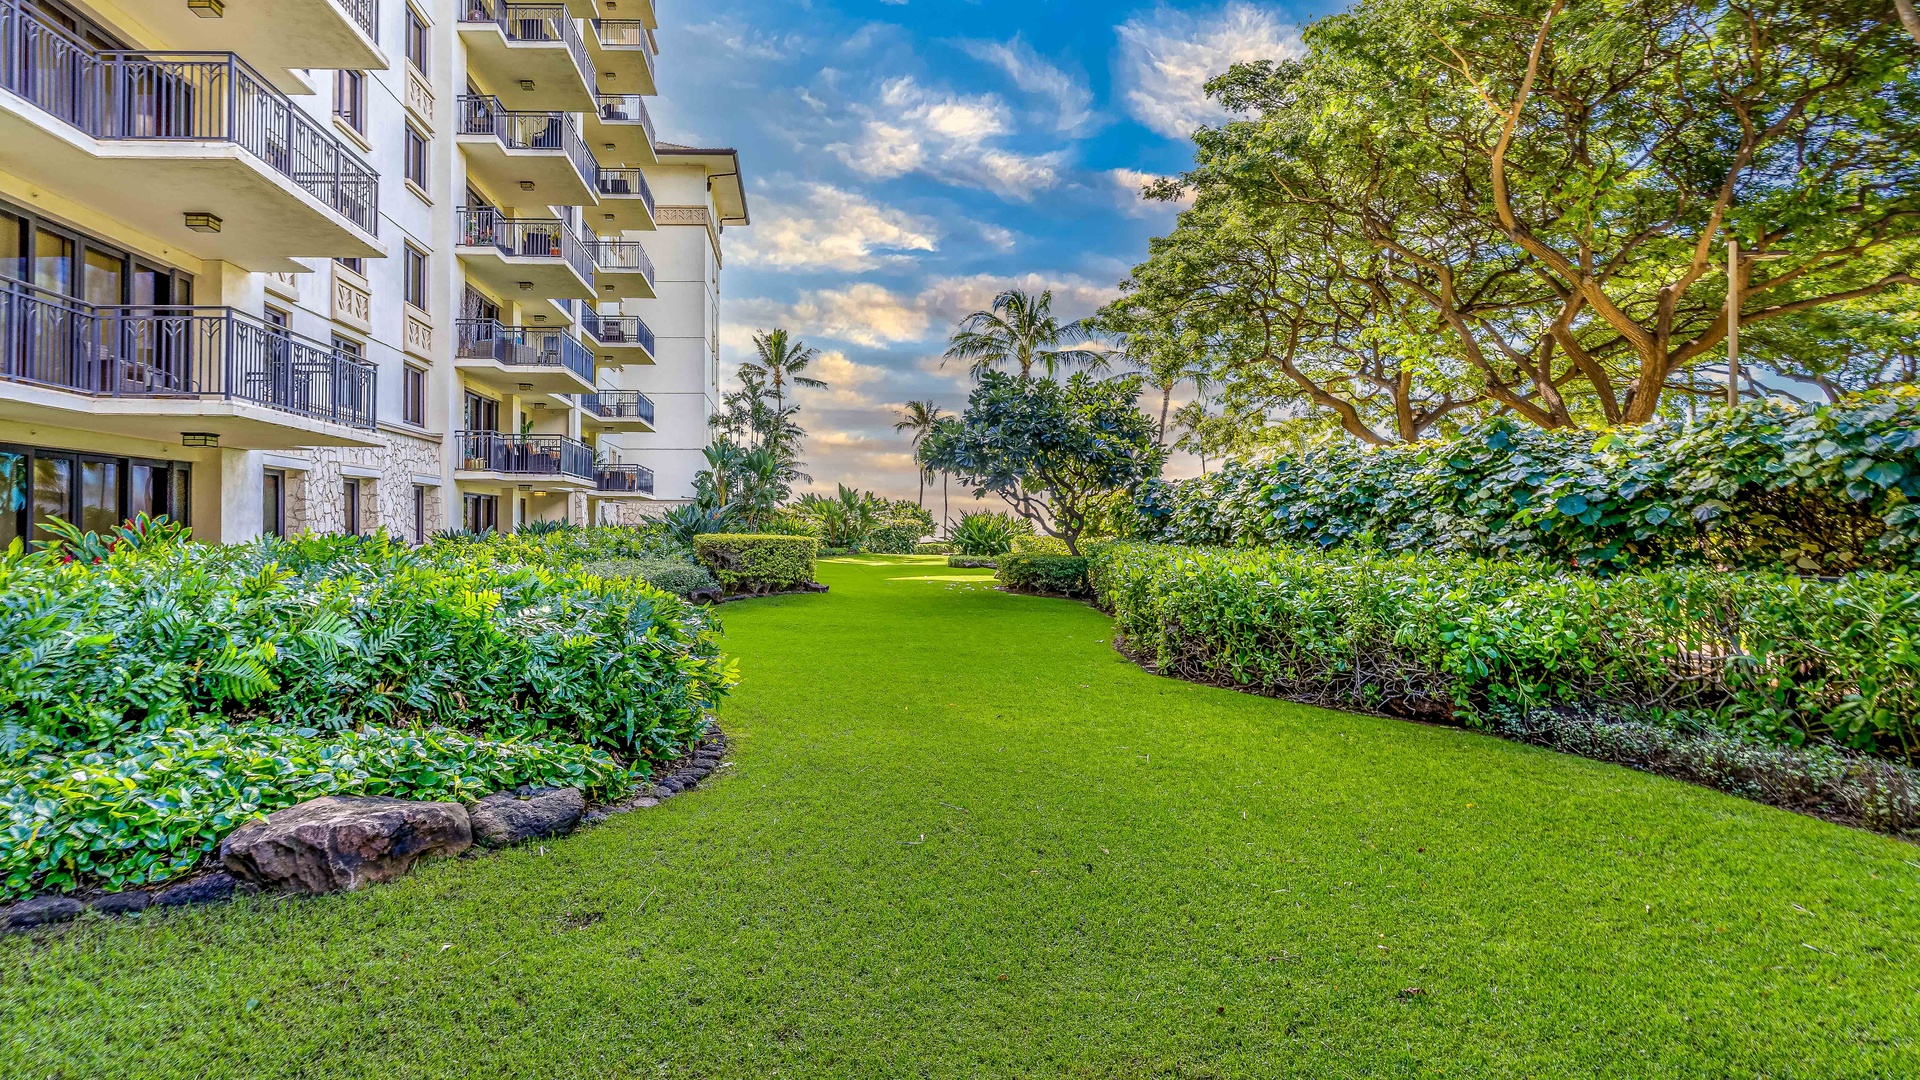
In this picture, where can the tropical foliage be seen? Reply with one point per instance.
(1020, 330)
(1054, 451)
(1052, 575)
(987, 533)
(753, 565)
(1825, 489)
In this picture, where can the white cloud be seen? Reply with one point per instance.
(1126, 189)
(1167, 56)
(871, 315)
(1070, 101)
(950, 137)
(824, 227)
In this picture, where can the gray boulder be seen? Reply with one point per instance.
(206, 889)
(42, 911)
(128, 902)
(508, 817)
(341, 842)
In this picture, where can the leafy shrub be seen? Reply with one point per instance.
(987, 532)
(972, 562)
(1033, 544)
(677, 576)
(685, 522)
(158, 802)
(333, 633)
(1776, 656)
(754, 564)
(543, 528)
(1766, 486)
(933, 548)
(1054, 575)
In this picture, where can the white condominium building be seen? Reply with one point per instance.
(277, 265)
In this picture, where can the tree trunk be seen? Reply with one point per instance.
(1166, 400)
(1908, 18)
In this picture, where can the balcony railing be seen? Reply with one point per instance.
(534, 22)
(618, 182)
(627, 109)
(525, 455)
(618, 478)
(538, 238)
(181, 97)
(482, 115)
(620, 256)
(617, 329)
(619, 405)
(366, 13)
(521, 346)
(625, 34)
(178, 352)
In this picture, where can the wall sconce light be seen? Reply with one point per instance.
(526, 388)
(527, 85)
(526, 286)
(526, 185)
(199, 438)
(207, 9)
(201, 221)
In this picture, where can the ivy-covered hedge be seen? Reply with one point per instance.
(1767, 486)
(302, 650)
(751, 564)
(1773, 656)
(1054, 575)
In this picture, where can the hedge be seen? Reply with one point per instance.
(750, 564)
(1823, 489)
(1772, 656)
(972, 562)
(677, 576)
(933, 548)
(1032, 544)
(1054, 575)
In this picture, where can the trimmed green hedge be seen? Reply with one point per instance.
(677, 576)
(1054, 575)
(1823, 489)
(754, 564)
(1773, 656)
(972, 562)
(1037, 544)
(933, 548)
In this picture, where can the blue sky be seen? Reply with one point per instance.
(907, 159)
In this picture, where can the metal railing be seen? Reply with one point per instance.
(534, 22)
(617, 478)
(627, 109)
(538, 238)
(625, 34)
(617, 329)
(620, 257)
(521, 346)
(174, 352)
(527, 455)
(483, 115)
(181, 97)
(366, 13)
(619, 405)
(617, 183)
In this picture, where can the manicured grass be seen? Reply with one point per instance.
(964, 838)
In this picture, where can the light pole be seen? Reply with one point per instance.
(1733, 315)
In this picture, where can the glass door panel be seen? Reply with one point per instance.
(13, 496)
(99, 496)
(52, 490)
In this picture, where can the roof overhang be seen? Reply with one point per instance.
(723, 177)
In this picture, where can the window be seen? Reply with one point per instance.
(358, 266)
(483, 414)
(350, 99)
(419, 514)
(480, 512)
(349, 347)
(416, 157)
(351, 505)
(413, 396)
(273, 515)
(417, 41)
(94, 491)
(416, 269)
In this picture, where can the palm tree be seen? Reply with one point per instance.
(782, 360)
(919, 417)
(1020, 328)
(1166, 364)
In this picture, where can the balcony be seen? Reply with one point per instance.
(529, 258)
(522, 359)
(531, 54)
(622, 131)
(625, 272)
(628, 410)
(618, 340)
(508, 150)
(617, 480)
(279, 37)
(626, 201)
(153, 373)
(622, 52)
(148, 138)
(497, 455)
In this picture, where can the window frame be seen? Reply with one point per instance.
(413, 395)
(418, 44)
(350, 99)
(414, 157)
(415, 278)
(350, 497)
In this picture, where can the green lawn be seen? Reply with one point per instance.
(964, 838)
